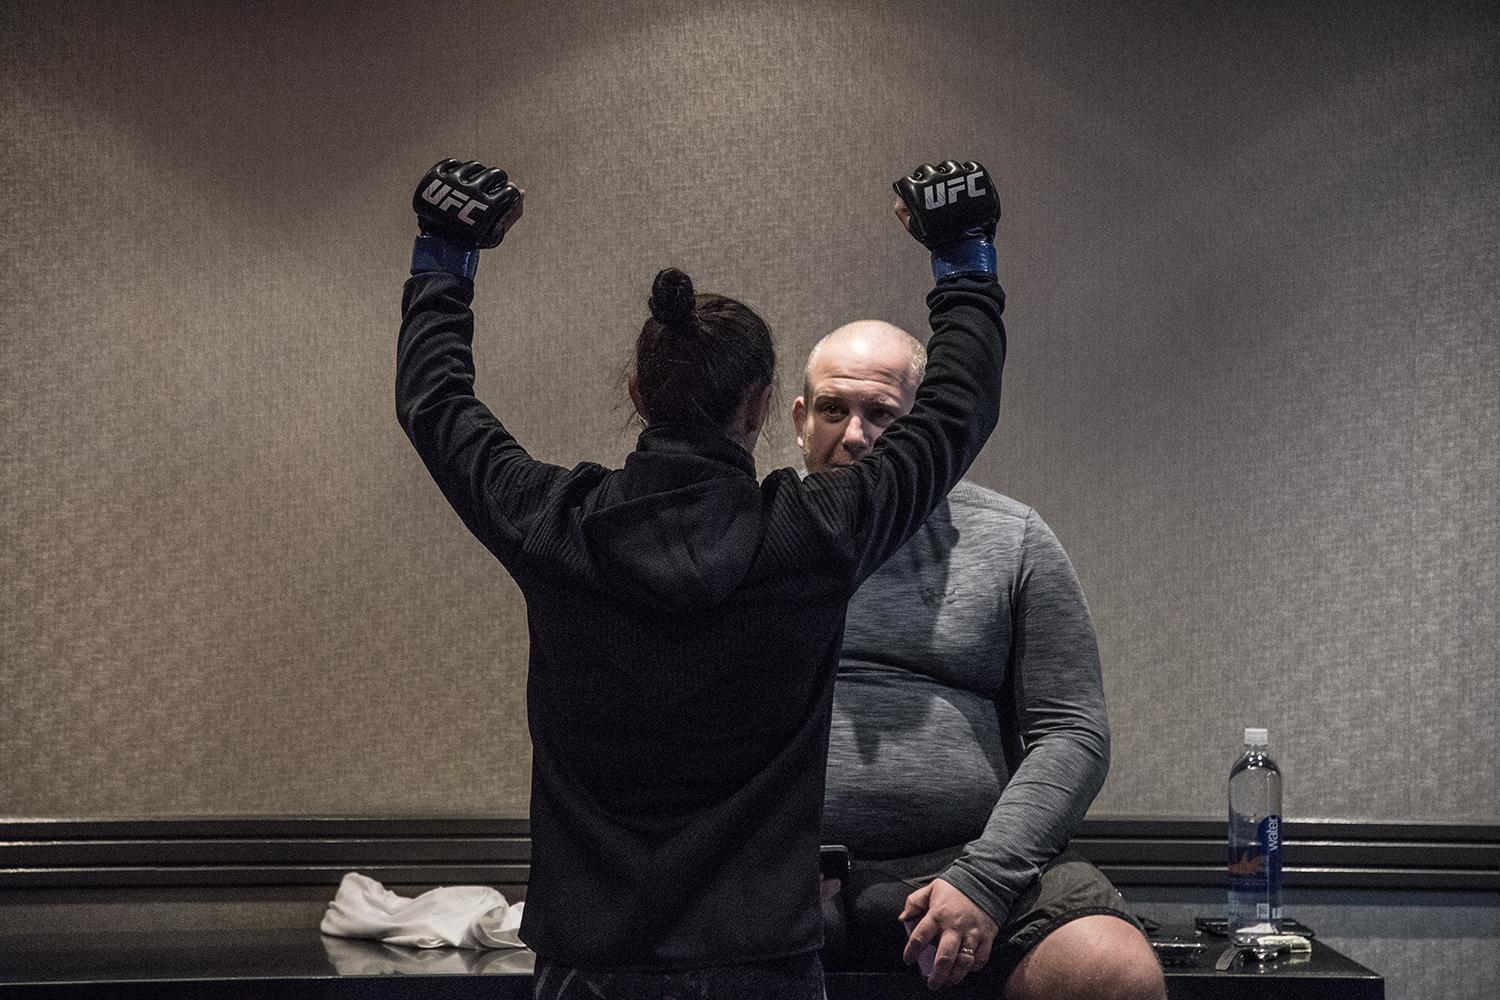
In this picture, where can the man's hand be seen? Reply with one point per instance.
(962, 932)
(467, 204)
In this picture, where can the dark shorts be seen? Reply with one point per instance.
(797, 978)
(872, 938)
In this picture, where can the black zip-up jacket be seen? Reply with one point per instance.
(685, 623)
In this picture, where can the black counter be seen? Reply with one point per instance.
(293, 963)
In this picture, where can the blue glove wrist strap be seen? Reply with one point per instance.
(433, 253)
(971, 254)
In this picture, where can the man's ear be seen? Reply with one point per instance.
(799, 414)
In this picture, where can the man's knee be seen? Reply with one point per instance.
(1087, 959)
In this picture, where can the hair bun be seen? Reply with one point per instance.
(672, 299)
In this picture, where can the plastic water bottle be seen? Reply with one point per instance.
(1254, 841)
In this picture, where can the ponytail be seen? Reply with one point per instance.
(699, 356)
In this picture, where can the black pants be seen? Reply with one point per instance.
(872, 938)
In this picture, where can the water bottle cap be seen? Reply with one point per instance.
(1257, 738)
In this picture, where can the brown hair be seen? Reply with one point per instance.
(699, 356)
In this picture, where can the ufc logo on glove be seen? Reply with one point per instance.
(444, 197)
(948, 193)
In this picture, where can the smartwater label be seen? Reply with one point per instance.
(1255, 866)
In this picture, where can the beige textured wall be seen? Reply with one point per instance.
(1251, 258)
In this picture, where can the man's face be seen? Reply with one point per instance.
(860, 379)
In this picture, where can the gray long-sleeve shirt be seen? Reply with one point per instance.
(968, 707)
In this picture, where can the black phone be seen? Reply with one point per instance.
(833, 862)
(1219, 927)
(1177, 950)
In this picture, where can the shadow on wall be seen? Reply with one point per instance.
(311, 90)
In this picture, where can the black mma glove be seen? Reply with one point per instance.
(462, 208)
(953, 208)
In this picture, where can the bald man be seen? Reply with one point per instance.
(969, 732)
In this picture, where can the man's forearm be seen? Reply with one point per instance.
(1064, 726)
(1038, 813)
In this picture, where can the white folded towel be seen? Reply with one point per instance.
(360, 957)
(460, 916)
